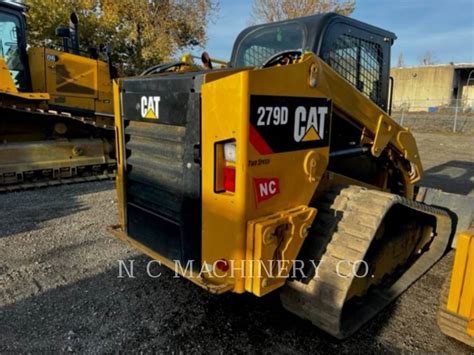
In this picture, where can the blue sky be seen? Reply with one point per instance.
(444, 27)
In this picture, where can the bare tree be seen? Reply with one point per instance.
(400, 61)
(276, 10)
(427, 58)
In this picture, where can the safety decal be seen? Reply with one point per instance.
(285, 123)
(150, 107)
(266, 188)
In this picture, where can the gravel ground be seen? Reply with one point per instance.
(60, 291)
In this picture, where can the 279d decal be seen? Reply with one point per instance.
(284, 123)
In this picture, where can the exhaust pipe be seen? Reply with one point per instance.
(74, 32)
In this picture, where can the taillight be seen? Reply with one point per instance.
(229, 178)
(225, 159)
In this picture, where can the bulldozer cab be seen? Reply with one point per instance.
(13, 43)
(357, 51)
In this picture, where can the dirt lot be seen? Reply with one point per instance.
(59, 289)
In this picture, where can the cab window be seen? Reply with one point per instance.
(10, 49)
(258, 46)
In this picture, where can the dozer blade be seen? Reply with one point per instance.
(397, 239)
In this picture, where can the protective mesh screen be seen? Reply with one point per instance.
(257, 55)
(360, 62)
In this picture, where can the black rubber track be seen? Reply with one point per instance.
(345, 227)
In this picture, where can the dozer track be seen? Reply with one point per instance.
(28, 164)
(47, 183)
(103, 122)
(348, 224)
(452, 324)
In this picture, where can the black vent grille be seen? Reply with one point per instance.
(155, 167)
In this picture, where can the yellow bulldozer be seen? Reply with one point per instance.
(56, 108)
(282, 171)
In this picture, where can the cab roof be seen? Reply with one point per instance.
(315, 27)
(13, 5)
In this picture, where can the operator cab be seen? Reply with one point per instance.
(357, 51)
(13, 42)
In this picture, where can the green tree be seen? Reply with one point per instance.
(276, 10)
(140, 33)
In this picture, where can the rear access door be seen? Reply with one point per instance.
(162, 177)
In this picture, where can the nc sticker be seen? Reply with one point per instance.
(150, 107)
(266, 188)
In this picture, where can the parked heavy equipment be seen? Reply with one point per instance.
(282, 171)
(56, 109)
(456, 314)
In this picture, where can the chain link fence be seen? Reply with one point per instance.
(435, 115)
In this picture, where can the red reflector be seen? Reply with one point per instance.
(222, 265)
(229, 178)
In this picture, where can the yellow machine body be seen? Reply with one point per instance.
(234, 225)
(461, 291)
(8, 87)
(71, 80)
(456, 316)
(64, 80)
(243, 219)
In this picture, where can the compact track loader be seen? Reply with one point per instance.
(56, 109)
(282, 171)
